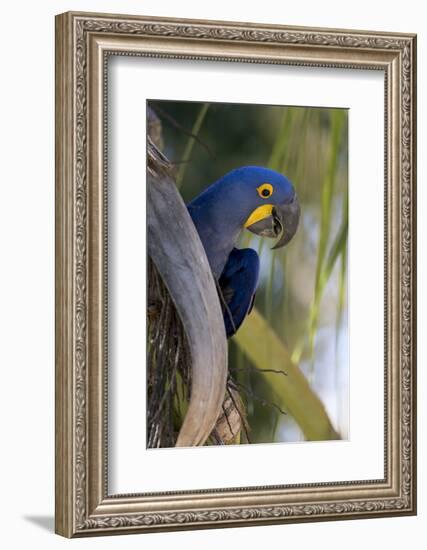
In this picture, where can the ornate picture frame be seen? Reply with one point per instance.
(84, 42)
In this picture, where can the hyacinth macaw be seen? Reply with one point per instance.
(258, 199)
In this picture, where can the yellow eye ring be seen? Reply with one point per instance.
(265, 190)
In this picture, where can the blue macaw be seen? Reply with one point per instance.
(258, 199)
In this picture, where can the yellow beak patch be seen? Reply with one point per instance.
(259, 214)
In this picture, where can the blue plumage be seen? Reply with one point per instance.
(252, 197)
(238, 284)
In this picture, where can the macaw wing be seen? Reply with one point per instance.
(238, 284)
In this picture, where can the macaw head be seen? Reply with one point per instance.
(271, 201)
(254, 198)
(264, 201)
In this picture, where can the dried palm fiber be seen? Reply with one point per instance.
(188, 398)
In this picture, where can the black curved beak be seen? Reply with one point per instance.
(283, 221)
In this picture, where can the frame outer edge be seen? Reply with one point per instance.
(248, 25)
(74, 505)
(415, 266)
(64, 276)
(413, 252)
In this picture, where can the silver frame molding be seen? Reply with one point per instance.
(83, 43)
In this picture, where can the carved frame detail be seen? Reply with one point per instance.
(83, 42)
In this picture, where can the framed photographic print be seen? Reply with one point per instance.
(235, 274)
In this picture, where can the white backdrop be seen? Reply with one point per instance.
(132, 467)
(27, 245)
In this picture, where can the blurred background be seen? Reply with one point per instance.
(301, 302)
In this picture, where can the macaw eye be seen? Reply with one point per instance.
(265, 190)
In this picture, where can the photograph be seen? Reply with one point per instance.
(266, 187)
